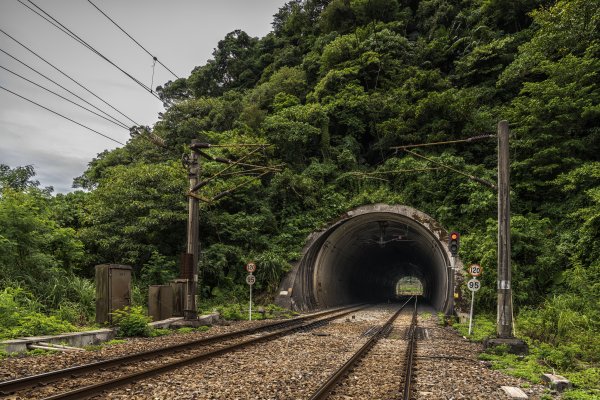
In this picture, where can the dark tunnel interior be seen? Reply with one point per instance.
(363, 258)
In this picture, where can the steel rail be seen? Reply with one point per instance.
(326, 388)
(410, 356)
(91, 390)
(11, 386)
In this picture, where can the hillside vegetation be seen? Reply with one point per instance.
(332, 88)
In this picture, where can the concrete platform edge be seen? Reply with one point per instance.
(88, 338)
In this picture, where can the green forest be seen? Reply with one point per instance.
(332, 88)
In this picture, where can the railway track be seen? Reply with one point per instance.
(59, 384)
(336, 379)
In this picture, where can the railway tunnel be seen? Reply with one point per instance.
(363, 255)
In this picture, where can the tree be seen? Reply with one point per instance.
(136, 210)
(18, 178)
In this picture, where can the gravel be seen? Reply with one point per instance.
(461, 375)
(293, 367)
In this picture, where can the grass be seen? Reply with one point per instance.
(483, 327)
(94, 347)
(239, 311)
(561, 359)
(156, 332)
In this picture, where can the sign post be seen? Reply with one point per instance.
(474, 285)
(250, 280)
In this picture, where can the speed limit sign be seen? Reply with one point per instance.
(250, 279)
(475, 270)
(250, 267)
(474, 285)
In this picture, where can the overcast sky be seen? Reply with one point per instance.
(180, 33)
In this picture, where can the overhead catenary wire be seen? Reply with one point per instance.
(63, 116)
(473, 178)
(68, 77)
(112, 118)
(135, 41)
(63, 97)
(77, 38)
(467, 140)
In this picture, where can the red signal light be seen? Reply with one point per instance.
(453, 243)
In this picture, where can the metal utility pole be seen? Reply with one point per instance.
(504, 321)
(192, 237)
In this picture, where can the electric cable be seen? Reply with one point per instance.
(67, 76)
(112, 118)
(63, 97)
(74, 36)
(473, 178)
(63, 116)
(135, 41)
(471, 139)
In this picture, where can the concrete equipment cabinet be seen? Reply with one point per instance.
(113, 290)
(160, 302)
(179, 296)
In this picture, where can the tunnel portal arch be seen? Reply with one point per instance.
(361, 256)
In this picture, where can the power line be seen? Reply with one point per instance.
(473, 178)
(471, 139)
(112, 119)
(74, 36)
(61, 115)
(63, 97)
(67, 76)
(135, 41)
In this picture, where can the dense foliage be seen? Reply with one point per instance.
(332, 88)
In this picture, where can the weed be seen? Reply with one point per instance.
(40, 352)
(239, 311)
(483, 326)
(185, 329)
(579, 394)
(441, 319)
(159, 332)
(132, 321)
(202, 328)
(114, 341)
(586, 378)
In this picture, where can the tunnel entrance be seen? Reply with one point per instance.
(363, 255)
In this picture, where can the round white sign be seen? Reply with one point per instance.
(251, 267)
(474, 285)
(250, 279)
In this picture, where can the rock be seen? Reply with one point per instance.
(557, 382)
(514, 392)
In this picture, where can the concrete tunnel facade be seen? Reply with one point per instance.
(362, 256)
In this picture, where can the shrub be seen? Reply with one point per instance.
(36, 324)
(233, 312)
(132, 321)
(20, 316)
